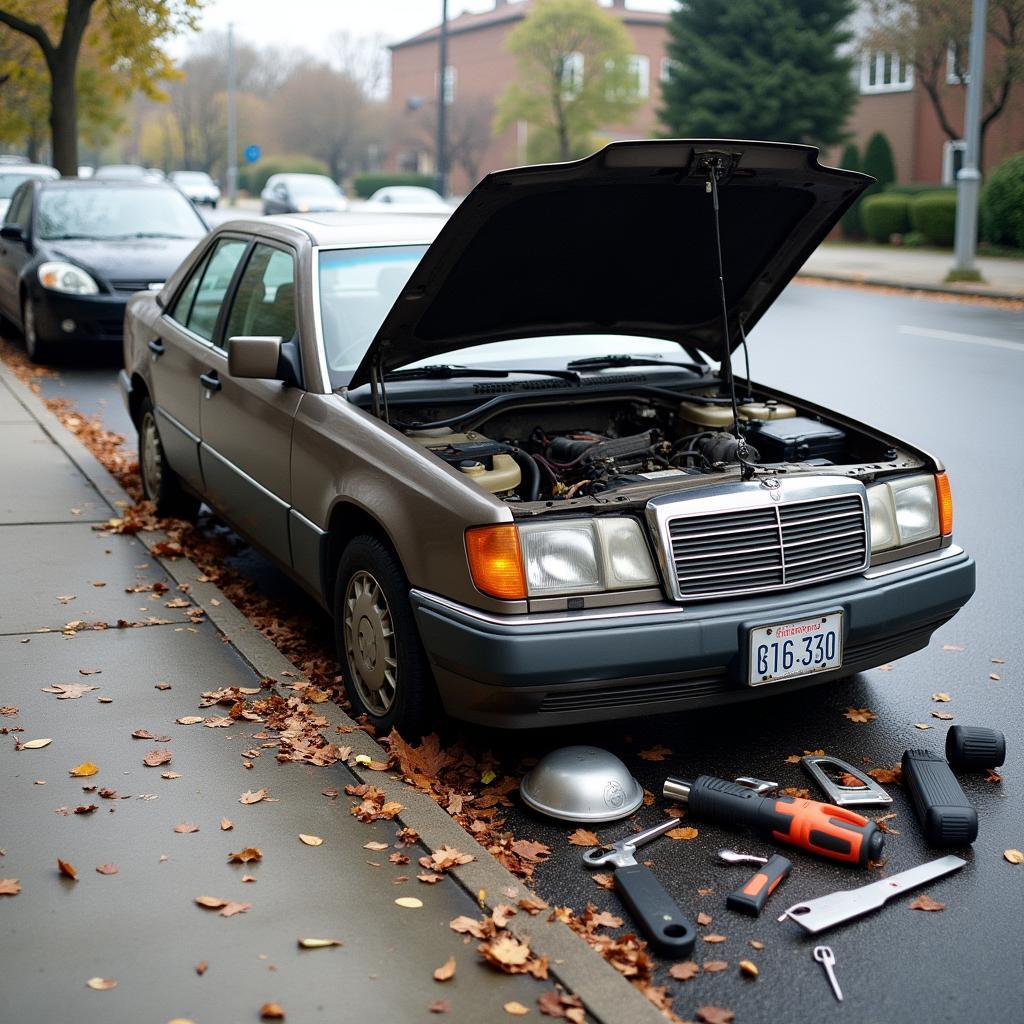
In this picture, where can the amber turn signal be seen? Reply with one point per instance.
(945, 504)
(496, 561)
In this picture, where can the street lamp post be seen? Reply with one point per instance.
(442, 97)
(968, 179)
(231, 175)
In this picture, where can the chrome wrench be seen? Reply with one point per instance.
(827, 911)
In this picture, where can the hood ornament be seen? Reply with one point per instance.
(773, 485)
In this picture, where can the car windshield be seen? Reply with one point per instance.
(120, 171)
(313, 186)
(409, 194)
(9, 182)
(113, 213)
(358, 287)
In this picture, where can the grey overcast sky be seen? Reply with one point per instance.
(307, 23)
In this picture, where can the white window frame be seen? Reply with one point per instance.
(949, 147)
(640, 72)
(902, 81)
(451, 78)
(952, 78)
(572, 73)
(665, 69)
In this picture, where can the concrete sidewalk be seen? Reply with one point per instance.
(84, 606)
(896, 267)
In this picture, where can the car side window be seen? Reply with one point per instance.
(213, 286)
(264, 301)
(20, 211)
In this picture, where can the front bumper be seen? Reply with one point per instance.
(536, 670)
(96, 318)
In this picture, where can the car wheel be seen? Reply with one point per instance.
(387, 676)
(35, 348)
(160, 484)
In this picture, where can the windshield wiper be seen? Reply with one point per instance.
(442, 371)
(609, 362)
(146, 234)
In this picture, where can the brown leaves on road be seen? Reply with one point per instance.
(888, 776)
(246, 856)
(226, 824)
(85, 809)
(582, 837)
(374, 806)
(446, 971)
(715, 1015)
(514, 1009)
(655, 753)
(859, 715)
(562, 1004)
(271, 1011)
(145, 734)
(186, 827)
(439, 1006)
(943, 716)
(32, 744)
(883, 824)
(374, 846)
(1013, 856)
(714, 938)
(942, 698)
(155, 758)
(101, 984)
(535, 853)
(227, 908)
(684, 832)
(748, 968)
(311, 840)
(684, 971)
(319, 943)
(70, 691)
(106, 869)
(83, 770)
(67, 870)
(795, 758)
(925, 902)
(189, 720)
(703, 918)
(602, 881)
(252, 797)
(9, 887)
(714, 966)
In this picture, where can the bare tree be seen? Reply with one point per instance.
(467, 128)
(363, 59)
(932, 35)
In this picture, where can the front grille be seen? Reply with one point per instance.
(745, 551)
(130, 285)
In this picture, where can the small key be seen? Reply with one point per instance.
(825, 957)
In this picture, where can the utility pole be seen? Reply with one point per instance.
(232, 165)
(968, 179)
(442, 97)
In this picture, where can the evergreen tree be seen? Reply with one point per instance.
(759, 69)
(879, 163)
(850, 161)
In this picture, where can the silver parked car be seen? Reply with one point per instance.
(506, 451)
(302, 193)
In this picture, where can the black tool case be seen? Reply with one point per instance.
(797, 440)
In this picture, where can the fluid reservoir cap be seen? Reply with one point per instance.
(471, 466)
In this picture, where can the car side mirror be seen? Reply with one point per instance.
(255, 357)
(12, 233)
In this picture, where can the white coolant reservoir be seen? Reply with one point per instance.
(504, 474)
(714, 416)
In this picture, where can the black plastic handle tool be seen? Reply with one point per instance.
(971, 748)
(655, 911)
(946, 815)
(751, 898)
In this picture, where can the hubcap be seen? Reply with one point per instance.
(152, 464)
(370, 643)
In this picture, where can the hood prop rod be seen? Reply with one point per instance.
(378, 394)
(715, 169)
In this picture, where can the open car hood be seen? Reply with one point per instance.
(621, 242)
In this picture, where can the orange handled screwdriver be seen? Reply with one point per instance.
(833, 832)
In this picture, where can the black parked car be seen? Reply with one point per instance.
(73, 251)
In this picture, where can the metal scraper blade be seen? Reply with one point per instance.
(827, 911)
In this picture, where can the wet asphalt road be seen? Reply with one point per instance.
(948, 377)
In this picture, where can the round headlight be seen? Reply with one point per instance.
(59, 276)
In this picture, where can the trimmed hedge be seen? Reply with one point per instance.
(254, 177)
(364, 185)
(885, 215)
(916, 188)
(850, 160)
(1002, 204)
(934, 215)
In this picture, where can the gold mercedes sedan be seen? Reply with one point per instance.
(507, 452)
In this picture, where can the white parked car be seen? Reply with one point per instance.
(198, 186)
(12, 175)
(406, 199)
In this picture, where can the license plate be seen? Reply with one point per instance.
(790, 649)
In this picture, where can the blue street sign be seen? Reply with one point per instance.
(252, 154)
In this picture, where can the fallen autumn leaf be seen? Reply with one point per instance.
(83, 770)
(446, 971)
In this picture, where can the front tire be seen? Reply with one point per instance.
(38, 350)
(387, 676)
(160, 484)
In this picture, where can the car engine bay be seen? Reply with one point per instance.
(592, 445)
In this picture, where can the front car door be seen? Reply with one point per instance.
(14, 254)
(247, 424)
(183, 354)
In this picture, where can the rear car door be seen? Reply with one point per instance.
(14, 254)
(247, 424)
(182, 354)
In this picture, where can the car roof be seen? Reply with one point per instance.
(83, 183)
(28, 169)
(327, 229)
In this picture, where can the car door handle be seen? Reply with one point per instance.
(210, 381)
(156, 346)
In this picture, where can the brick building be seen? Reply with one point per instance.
(479, 68)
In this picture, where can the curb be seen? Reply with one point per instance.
(606, 994)
(966, 292)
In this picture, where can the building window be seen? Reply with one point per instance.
(953, 75)
(953, 153)
(450, 79)
(572, 73)
(640, 74)
(881, 71)
(667, 69)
